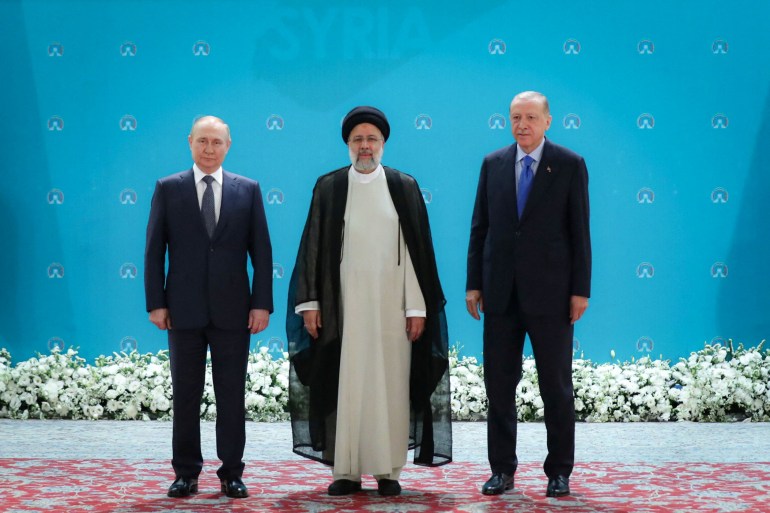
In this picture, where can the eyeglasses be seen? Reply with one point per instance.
(370, 140)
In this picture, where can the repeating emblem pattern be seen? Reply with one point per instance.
(128, 49)
(645, 196)
(645, 121)
(128, 344)
(719, 270)
(55, 124)
(423, 122)
(645, 270)
(571, 122)
(496, 122)
(128, 271)
(719, 195)
(719, 47)
(496, 47)
(128, 123)
(571, 47)
(274, 122)
(201, 49)
(56, 50)
(128, 197)
(56, 270)
(719, 121)
(55, 197)
(56, 344)
(645, 47)
(645, 344)
(274, 196)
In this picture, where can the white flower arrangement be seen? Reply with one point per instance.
(716, 383)
(126, 386)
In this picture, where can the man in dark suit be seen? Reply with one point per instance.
(529, 272)
(209, 220)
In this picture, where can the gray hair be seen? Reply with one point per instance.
(203, 119)
(534, 95)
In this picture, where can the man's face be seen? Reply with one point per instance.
(529, 122)
(365, 146)
(209, 143)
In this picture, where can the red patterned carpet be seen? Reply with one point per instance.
(138, 486)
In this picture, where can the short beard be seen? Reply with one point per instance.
(369, 166)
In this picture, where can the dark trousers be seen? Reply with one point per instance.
(229, 358)
(551, 338)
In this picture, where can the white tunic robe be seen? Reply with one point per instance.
(378, 286)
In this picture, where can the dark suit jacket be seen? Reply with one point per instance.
(207, 279)
(545, 255)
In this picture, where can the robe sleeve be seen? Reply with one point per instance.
(413, 299)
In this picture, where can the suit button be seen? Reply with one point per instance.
(211, 249)
(518, 233)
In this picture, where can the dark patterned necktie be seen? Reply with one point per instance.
(525, 183)
(207, 206)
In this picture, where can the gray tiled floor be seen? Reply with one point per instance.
(643, 442)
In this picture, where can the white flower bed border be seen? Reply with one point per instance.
(715, 384)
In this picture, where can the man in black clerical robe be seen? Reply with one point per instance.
(315, 363)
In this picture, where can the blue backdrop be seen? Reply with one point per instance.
(667, 101)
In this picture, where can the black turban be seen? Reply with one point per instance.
(365, 114)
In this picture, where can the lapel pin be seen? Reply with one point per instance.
(548, 169)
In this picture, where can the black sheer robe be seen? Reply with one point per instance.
(314, 371)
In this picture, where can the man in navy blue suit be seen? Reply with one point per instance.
(209, 220)
(529, 272)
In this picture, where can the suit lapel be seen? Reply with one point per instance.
(189, 195)
(542, 181)
(507, 182)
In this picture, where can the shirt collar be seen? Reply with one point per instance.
(536, 153)
(218, 174)
(365, 177)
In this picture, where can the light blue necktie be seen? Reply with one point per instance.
(207, 206)
(525, 183)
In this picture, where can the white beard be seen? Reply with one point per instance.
(366, 166)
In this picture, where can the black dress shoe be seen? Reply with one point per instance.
(234, 488)
(388, 487)
(344, 487)
(557, 486)
(497, 484)
(183, 486)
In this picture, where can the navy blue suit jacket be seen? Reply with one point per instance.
(207, 280)
(545, 255)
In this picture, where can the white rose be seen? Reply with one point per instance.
(163, 404)
(131, 410)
